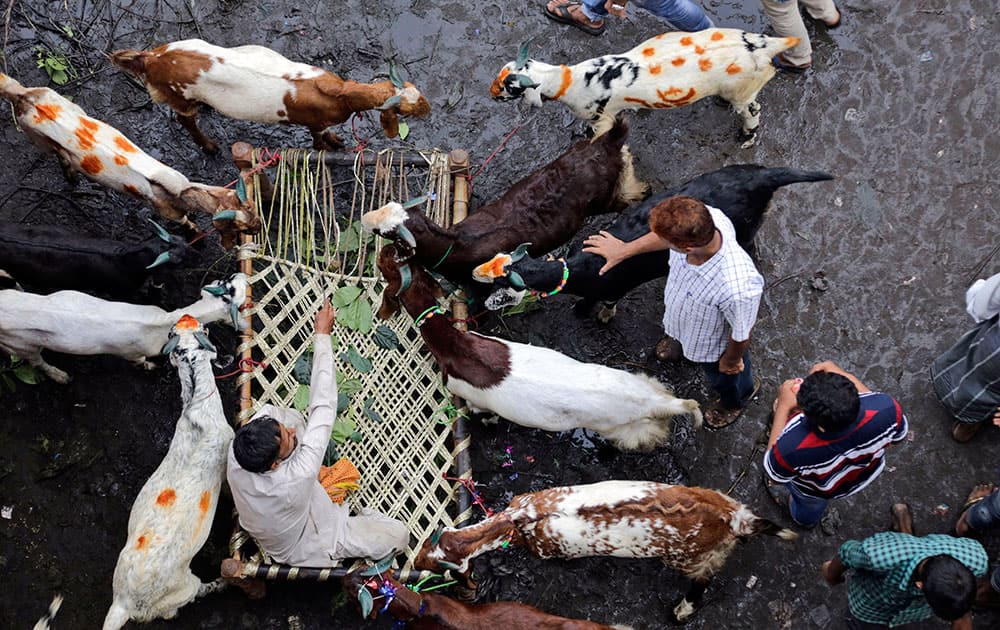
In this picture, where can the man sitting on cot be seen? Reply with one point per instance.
(273, 476)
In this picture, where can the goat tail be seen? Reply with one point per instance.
(133, 61)
(10, 88)
(629, 188)
(117, 617)
(745, 523)
(775, 45)
(695, 412)
(775, 178)
(46, 619)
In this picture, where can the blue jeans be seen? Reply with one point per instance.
(807, 511)
(733, 389)
(684, 15)
(985, 515)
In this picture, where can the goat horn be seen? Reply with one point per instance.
(520, 252)
(215, 290)
(241, 190)
(416, 201)
(449, 565)
(203, 341)
(162, 258)
(394, 76)
(225, 215)
(392, 101)
(436, 536)
(162, 233)
(234, 314)
(380, 566)
(406, 277)
(522, 56)
(171, 344)
(516, 280)
(405, 234)
(525, 81)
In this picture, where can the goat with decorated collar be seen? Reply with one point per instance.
(742, 191)
(666, 71)
(76, 323)
(545, 208)
(531, 386)
(172, 515)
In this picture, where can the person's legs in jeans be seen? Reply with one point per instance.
(806, 511)
(733, 389)
(594, 10)
(985, 515)
(786, 20)
(683, 15)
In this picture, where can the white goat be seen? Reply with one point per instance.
(76, 323)
(44, 622)
(531, 386)
(669, 70)
(102, 153)
(172, 516)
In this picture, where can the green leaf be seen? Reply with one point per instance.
(358, 315)
(349, 386)
(27, 374)
(343, 429)
(385, 337)
(9, 382)
(358, 362)
(301, 401)
(55, 63)
(68, 30)
(59, 77)
(241, 190)
(302, 370)
(345, 295)
(356, 437)
(352, 237)
(365, 598)
(370, 413)
(343, 401)
(404, 130)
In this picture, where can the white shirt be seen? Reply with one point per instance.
(287, 510)
(982, 300)
(705, 305)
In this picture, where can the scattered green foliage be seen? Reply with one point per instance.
(358, 362)
(404, 130)
(55, 64)
(13, 369)
(353, 309)
(385, 337)
(528, 304)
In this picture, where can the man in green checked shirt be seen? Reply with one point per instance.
(899, 578)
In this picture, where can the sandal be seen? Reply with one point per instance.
(984, 490)
(718, 417)
(563, 15)
(779, 62)
(962, 432)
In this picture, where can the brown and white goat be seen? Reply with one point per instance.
(666, 71)
(528, 385)
(692, 530)
(256, 83)
(430, 611)
(544, 209)
(102, 153)
(172, 515)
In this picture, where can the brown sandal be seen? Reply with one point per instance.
(962, 432)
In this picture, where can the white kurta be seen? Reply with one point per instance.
(287, 510)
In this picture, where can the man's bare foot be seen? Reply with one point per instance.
(902, 518)
(980, 492)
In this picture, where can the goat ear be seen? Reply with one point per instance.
(171, 345)
(406, 277)
(516, 280)
(522, 56)
(397, 81)
(215, 290)
(204, 342)
(161, 259)
(436, 536)
(390, 303)
(390, 122)
(525, 81)
(160, 231)
(365, 599)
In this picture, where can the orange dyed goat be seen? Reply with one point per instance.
(430, 611)
(256, 83)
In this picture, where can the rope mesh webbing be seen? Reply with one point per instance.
(297, 261)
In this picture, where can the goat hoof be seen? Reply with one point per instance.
(606, 313)
(57, 375)
(682, 612)
(749, 138)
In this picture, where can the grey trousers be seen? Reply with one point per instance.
(787, 22)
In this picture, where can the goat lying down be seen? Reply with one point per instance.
(76, 323)
(741, 191)
(102, 153)
(545, 208)
(692, 530)
(172, 515)
(50, 257)
(531, 386)
(669, 70)
(256, 83)
(427, 611)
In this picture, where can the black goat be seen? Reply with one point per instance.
(741, 191)
(47, 258)
(546, 208)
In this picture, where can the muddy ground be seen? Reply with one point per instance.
(900, 106)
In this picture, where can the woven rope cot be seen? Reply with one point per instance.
(403, 449)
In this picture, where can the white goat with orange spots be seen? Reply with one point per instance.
(669, 70)
(102, 153)
(172, 516)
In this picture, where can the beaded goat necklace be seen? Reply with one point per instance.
(562, 283)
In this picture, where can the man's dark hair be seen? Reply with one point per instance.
(949, 587)
(830, 401)
(255, 444)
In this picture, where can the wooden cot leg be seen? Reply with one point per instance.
(232, 573)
